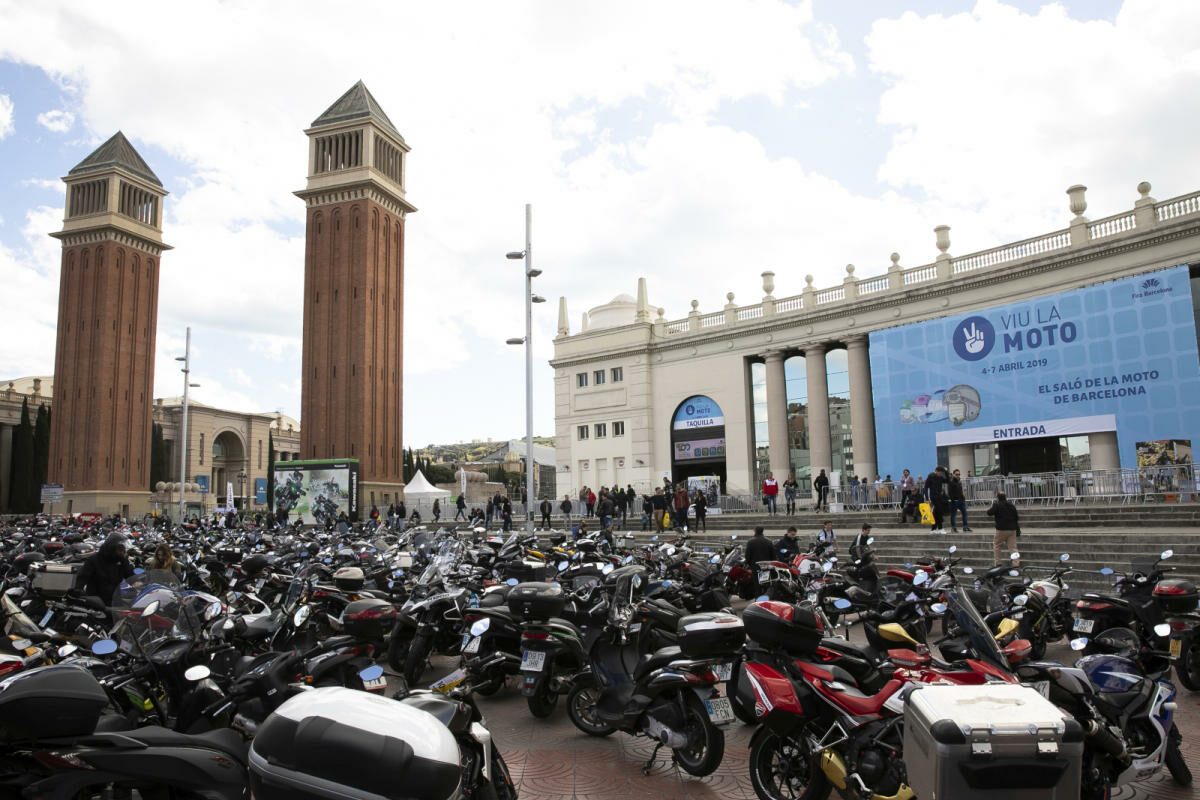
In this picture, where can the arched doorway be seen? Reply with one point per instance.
(228, 461)
(698, 440)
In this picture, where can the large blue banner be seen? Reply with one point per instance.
(1115, 356)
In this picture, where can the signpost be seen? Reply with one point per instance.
(52, 493)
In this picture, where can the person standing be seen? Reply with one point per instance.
(630, 497)
(619, 504)
(647, 512)
(546, 509)
(790, 487)
(565, 508)
(701, 506)
(907, 486)
(939, 501)
(788, 547)
(437, 510)
(759, 548)
(770, 490)
(461, 506)
(659, 503)
(682, 501)
(605, 509)
(591, 503)
(103, 571)
(1008, 528)
(821, 484)
(958, 501)
(491, 511)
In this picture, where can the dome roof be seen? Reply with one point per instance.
(622, 298)
(621, 310)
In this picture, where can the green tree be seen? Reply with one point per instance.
(41, 453)
(270, 470)
(158, 456)
(22, 491)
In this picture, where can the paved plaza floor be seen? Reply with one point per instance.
(552, 760)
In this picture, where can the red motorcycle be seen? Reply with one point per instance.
(830, 717)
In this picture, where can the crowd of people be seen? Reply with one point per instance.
(670, 506)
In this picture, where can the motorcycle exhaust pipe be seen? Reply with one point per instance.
(1103, 738)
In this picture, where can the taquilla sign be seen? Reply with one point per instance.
(1125, 348)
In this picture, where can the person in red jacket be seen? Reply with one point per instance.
(770, 490)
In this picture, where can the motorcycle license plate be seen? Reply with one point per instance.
(473, 645)
(1176, 647)
(1042, 688)
(723, 671)
(719, 710)
(765, 575)
(727, 568)
(532, 661)
(1084, 625)
(376, 685)
(46, 618)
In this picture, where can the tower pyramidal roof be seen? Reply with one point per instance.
(116, 152)
(357, 103)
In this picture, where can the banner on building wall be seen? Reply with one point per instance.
(319, 491)
(711, 486)
(1124, 350)
(699, 449)
(260, 491)
(1164, 453)
(202, 482)
(698, 411)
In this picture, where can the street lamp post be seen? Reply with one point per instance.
(241, 476)
(530, 299)
(186, 358)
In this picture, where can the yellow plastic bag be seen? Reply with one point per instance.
(666, 519)
(926, 514)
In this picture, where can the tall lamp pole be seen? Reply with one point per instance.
(186, 358)
(530, 299)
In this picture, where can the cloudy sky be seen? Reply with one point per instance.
(693, 143)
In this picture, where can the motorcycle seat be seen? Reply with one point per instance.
(652, 661)
(223, 739)
(497, 612)
(997, 571)
(493, 599)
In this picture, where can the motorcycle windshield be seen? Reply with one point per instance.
(734, 557)
(298, 588)
(174, 616)
(982, 641)
(16, 622)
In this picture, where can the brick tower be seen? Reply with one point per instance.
(107, 312)
(354, 293)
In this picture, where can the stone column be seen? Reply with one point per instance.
(962, 458)
(777, 431)
(820, 447)
(1103, 449)
(6, 434)
(862, 408)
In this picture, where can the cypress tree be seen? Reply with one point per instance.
(270, 470)
(158, 456)
(41, 454)
(22, 490)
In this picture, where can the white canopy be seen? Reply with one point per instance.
(419, 493)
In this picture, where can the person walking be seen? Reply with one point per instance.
(565, 508)
(630, 497)
(790, 487)
(682, 501)
(461, 505)
(770, 490)
(821, 484)
(1008, 527)
(939, 501)
(701, 506)
(605, 509)
(437, 510)
(659, 503)
(491, 511)
(958, 502)
(546, 508)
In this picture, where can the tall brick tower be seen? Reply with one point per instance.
(107, 312)
(354, 293)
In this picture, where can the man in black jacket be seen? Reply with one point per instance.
(788, 546)
(759, 548)
(958, 501)
(939, 501)
(104, 570)
(1007, 527)
(546, 508)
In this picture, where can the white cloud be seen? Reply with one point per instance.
(46, 183)
(6, 115)
(58, 121)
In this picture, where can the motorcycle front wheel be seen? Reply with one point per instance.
(1187, 668)
(581, 708)
(544, 701)
(784, 769)
(706, 742)
(1174, 760)
(414, 661)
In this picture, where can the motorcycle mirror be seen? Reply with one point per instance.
(938, 608)
(301, 615)
(871, 540)
(827, 566)
(1015, 556)
(328, 560)
(628, 559)
(607, 568)
(227, 625)
(563, 565)
(1020, 600)
(733, 536)
(67, 649)
(371, 673)
(654, 538)
(481, 626)
(197, 673)
(151, 609)
(921, 578)
(1080, 643)
(952, 549)
(213, 611)
(1106, 571)
(391, 584)
(842, 604)
(1166, 554)
(512, 581)
(714, 560)
(762, 598)
(1162, 629)
(104, 647)
(1065, 557)
(670, 551)
(22, 644)
(968, 570)
(139, 571)
(1013, 573)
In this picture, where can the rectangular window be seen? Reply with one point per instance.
(599, 376)
(582, 432)
(618, 374)
(601, 430)
(618, 429)
(581, 380)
